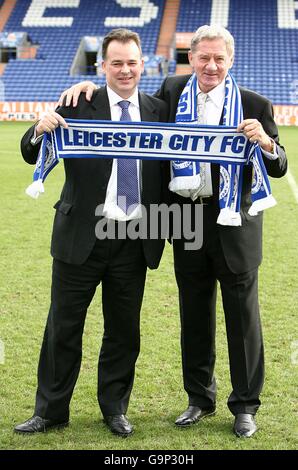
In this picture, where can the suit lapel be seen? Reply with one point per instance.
(148, 111)
(100, 110)
(100, 106)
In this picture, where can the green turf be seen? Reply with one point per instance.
(158, 395)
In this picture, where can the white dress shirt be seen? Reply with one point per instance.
(111, 209)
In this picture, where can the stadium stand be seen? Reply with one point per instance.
(266, 34)
(266, 57)
(44, 77)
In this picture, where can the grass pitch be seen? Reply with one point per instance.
(158, 395)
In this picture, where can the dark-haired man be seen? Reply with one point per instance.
(81, 261)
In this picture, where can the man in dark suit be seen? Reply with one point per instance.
(230, 254)
(81, 261)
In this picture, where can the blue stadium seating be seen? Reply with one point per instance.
(266, 56)
(44, 77)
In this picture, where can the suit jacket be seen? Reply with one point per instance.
(86, 183)
(242, 246)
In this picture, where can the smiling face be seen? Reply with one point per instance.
(123, 66)
(211, 62)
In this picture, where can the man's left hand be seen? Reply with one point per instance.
(254, 131)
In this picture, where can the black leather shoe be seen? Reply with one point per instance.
(244, 425)
(193, 414)
(38, 424)
(119, 425)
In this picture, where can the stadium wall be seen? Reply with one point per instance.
(285, 115)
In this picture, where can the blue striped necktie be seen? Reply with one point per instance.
(127, 174)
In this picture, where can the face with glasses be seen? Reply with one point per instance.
(211, 62)
(123, 67)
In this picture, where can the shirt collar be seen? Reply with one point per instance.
(114, 98)
(217, 94)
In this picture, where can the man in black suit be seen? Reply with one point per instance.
(81, 261)
(230, 254)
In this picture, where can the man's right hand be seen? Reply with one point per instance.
(72, 94)
(49, 122)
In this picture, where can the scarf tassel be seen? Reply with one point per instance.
(35, 189)
(229, 217)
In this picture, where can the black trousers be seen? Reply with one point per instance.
(120, 266)
(197, 273)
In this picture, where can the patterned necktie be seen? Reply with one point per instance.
(202, 98)
(127, 174)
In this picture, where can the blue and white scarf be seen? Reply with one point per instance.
(143, 140)
(186, 177)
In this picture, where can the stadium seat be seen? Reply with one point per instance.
(265, 56)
